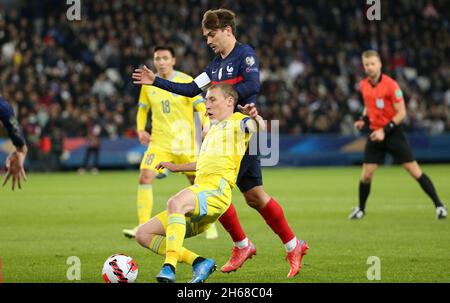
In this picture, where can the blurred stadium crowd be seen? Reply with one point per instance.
(72, 78)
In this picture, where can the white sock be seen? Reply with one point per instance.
(241, 244)
(290, 245)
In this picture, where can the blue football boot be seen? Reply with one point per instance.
(166, 275)
(202, 270)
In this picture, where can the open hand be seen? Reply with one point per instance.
(143, 76)
(249, 110)
(15, 170)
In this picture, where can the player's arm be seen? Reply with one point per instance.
(249, 69)
(141, 118)
(177, 167)
(254, 125)
(12, 125)
(145, 76)
(399, 107)
(400, 110)
(363, 120)
(15, 160)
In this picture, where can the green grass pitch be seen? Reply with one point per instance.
(56, 216)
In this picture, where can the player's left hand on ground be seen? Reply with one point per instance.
(377, 135)
(143, 76)
(170, 166)
(249, 110)
(15, 170)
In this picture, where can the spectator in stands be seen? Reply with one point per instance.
(93, 131)
(309, 54)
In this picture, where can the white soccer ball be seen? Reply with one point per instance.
(120, 268)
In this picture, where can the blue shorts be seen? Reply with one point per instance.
(249, 173)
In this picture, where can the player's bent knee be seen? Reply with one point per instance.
(142, 237)
(255, 204)
(146, 177)
(367, 177)
(367, 174)
(255, 201)
(256, 197)
(413, 169)
(175, 205)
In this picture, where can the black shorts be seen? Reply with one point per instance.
(395, 144)
(249, 173)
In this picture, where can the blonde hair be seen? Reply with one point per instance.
(227, 90)
(370, 53)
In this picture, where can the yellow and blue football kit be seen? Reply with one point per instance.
(175, 133)
(216, 172)
(173, 117)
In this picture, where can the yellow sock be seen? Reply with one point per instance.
(158, 246)
(176, 230)
(187, 256)
(144, 202)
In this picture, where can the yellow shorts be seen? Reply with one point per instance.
(153, 156)
(211, 201)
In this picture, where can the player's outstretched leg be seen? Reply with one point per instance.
(202, 269)
(273, 214)
(243, 249)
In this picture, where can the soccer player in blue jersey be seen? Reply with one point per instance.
(236, 64)
(14, 162)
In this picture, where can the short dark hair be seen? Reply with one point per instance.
(227, 90)
(165, 47)
(219, 19)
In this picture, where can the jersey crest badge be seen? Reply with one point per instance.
(380, 103)
(250, 61)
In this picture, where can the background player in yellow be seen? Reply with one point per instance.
(192, 210)
(173, 132)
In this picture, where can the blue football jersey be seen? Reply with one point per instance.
(240, 69)
(9, 120)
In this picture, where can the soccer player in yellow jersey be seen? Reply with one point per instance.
(173, 135)
(192, 210)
